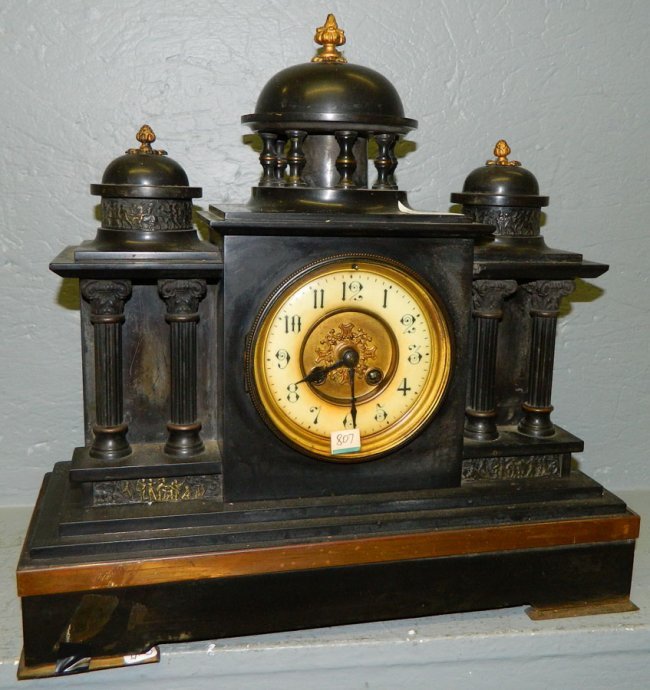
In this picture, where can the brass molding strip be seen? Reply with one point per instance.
(81, 577)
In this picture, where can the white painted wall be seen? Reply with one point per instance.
(565, 82)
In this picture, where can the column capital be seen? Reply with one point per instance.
(182, 297)
(545, 295)
(488, 296)
(106, 297)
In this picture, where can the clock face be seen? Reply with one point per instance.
(349, 358)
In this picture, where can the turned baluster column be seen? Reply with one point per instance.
(544, 296)
(487, 303)
(182, 298)
(106, 299)
(346, 163)
(268, 160)
(385, 162)
(296, 158)
(280, 160)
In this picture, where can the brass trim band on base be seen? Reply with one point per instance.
(79, 577)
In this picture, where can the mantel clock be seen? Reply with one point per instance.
(337, 409)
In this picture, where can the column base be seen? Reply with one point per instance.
(481, 426)
(536, 421)
(184, 440)
(110, 443)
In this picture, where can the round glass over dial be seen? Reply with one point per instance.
(349, 343)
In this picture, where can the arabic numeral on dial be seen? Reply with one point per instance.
(415, 356)
(292, 395)
(292, 324)
(404, 388)
(344, 439)
(380, 413)
(283, 358)
(408, 321)
(319, 298)
(352, 291)
(316, 412)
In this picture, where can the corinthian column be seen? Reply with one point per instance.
(487, 302)
(182, 298)
(106, 299)
(544, 300)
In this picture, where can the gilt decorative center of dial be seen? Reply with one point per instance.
(364, 332)
(336, 340)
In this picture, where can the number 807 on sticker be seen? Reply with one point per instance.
(345, 441)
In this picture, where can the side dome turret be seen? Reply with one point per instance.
(146, 200)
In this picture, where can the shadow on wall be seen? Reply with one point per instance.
(584, 292)
(68, 294)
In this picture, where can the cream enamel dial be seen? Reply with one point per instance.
(349, 342)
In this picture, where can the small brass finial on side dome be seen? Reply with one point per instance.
(146, 137)
(502, 151)
(329, 36)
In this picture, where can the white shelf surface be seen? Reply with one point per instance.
(499, 649)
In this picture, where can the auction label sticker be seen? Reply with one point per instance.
(345, 441)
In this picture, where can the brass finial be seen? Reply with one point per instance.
(146, 137)
(502, 151)
(329, 36)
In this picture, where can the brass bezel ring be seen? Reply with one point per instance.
(405, 427)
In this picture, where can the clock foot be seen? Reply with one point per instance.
(78, 662)
(581, 608)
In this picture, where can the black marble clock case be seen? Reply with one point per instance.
(256, 463)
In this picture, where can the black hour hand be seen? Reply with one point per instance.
(318, 374)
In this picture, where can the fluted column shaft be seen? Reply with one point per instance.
(182, 298)
(106, 299)
(487, 301)
(544, 296)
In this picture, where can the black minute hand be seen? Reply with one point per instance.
(353, 402)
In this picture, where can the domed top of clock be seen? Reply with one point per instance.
(504, 194)
(327, 92)
(145, 172)
(501, 182)
(146, 201)
(315, 121)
